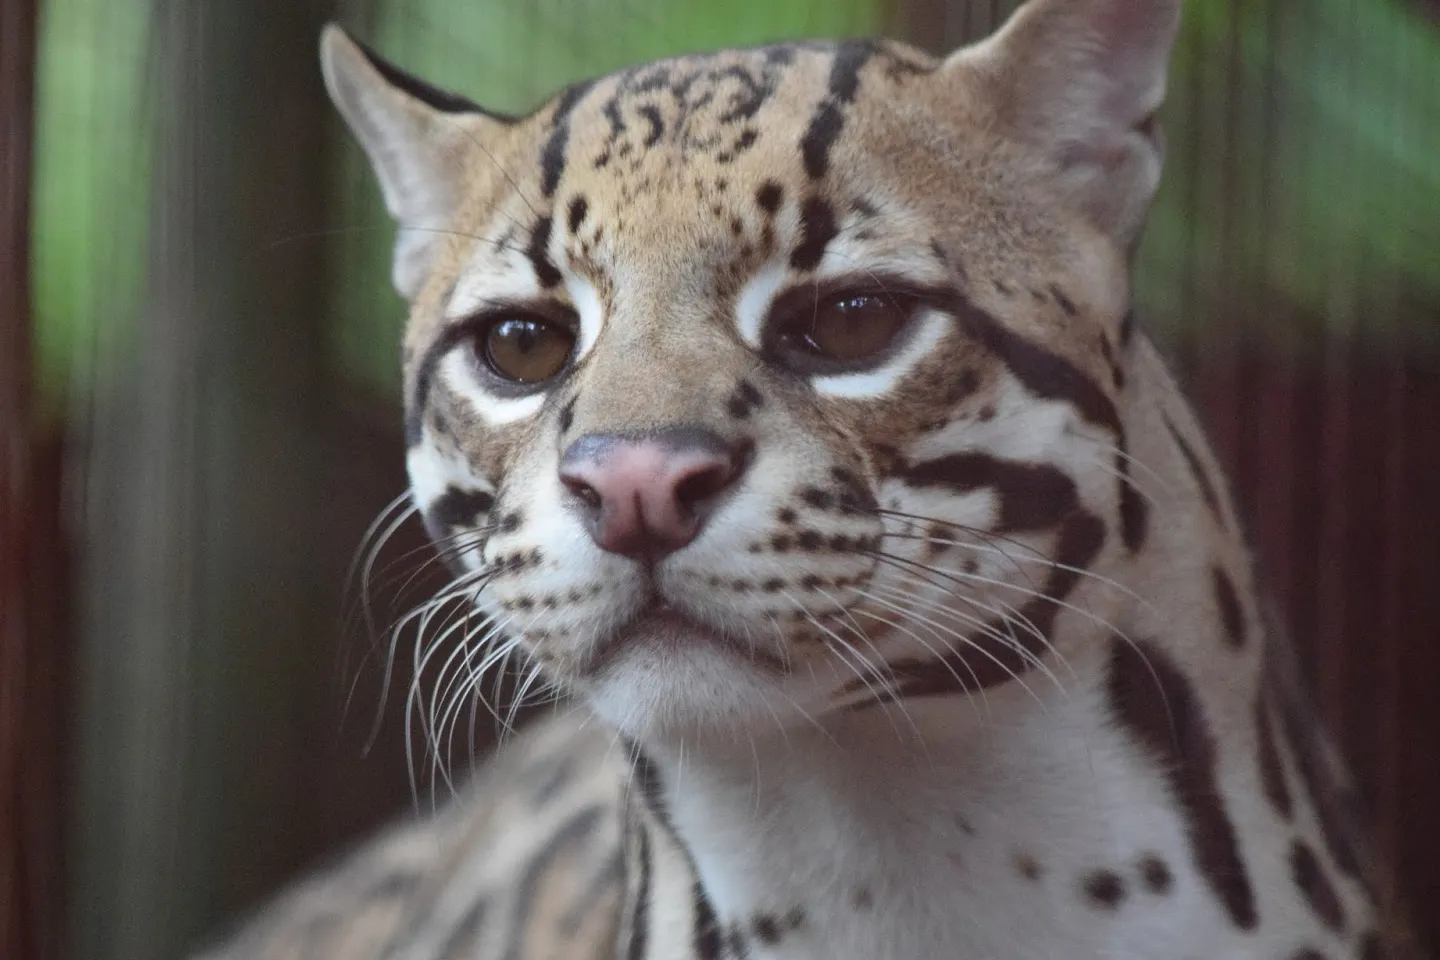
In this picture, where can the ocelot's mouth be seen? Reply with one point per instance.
(660, 628)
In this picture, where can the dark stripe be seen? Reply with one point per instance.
(988, 660)
(1032, 496)
(708, 936)
(1333, 805)
(1127, 330)
(539, 254)
(610, 873)
(449, 338)
(1272, 771)
(552, 157)
(1157, 705)
(1202, 479)
(576, 828)
(640, 915)
(1319, 892)
(1045, 374)
(817, 229)
(1232, 617)
(431, 96)
(1134, 510)
(829, 117)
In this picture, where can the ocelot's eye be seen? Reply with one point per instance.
(843, 330)
(526, 349)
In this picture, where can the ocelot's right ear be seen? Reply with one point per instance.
(419, 140)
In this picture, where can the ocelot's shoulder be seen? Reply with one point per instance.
(533, 833)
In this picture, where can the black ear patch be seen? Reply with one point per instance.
(432, 96)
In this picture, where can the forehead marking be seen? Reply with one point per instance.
(552, 158)
(828, 120)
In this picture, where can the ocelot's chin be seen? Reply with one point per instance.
(687, 693)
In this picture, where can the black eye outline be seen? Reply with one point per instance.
(475, 331)
(785, 338)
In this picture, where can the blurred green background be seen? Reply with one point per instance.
(215, 414)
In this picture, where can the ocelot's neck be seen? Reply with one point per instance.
(897, 829)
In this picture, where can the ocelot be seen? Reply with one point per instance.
(785, 410)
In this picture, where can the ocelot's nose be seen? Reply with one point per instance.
(646, 497)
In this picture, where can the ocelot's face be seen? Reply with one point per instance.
(746, 388)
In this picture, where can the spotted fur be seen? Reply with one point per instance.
(969, 661)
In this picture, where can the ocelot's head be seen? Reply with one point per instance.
(747, 387)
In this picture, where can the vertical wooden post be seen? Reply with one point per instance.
(28, 745)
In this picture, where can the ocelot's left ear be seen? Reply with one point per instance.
(1082, 80)
(419, 140)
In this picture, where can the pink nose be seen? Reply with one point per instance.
(647, 497)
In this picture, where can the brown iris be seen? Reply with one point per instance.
(527, 349)
(843, 330)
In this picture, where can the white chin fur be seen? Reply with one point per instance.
(659, 694)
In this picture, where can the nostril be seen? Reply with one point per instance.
(703, 485)
(710, 481)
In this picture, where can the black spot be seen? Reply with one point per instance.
(511, 522)
(579, 207)
(817, 498)
(1310, 877)
(817, 229)
(1028, 866)
(1228, 603)
(1065, 302)
(770, 196)
(1104, 888)
(1202, 480)
(1155, 875)
(539, 256)
(1127, 330)
(744, 400)
(1004, 289)
(457, 508)
(1032, 496)
(781, 544)
(1155, 702)
(567, 415)
(773, 585)
(736, 943)
(809, 540)
(746, 140)
(864, 899)
(786, 515)
(767, 928)
(552, 157)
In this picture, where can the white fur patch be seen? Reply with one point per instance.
(753, 304)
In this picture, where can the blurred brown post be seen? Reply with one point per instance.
(27, 840)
